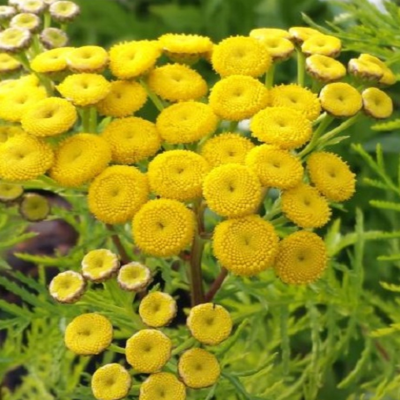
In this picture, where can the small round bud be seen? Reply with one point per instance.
(28, 21)
(157, 309)
(377, 103)
(64, 11)
(99, 265)
(34, 207)
(32, 6)
(14, 40)
(10, 192)
(7, 12)
(67, 287)
(365, 70)
(52, 38)
(134, 277)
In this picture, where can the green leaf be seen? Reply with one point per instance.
(387, 205)
(387, 126)
(390, 286)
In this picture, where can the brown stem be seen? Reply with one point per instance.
(118, 244)
(216, 285)
(196, 279)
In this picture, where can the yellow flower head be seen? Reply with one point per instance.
(325, 45)
(49, 117)
(296, 97)
(79, 159)
(163, 227)
(117, 194)
(331, 176)
(277, 46)
(15, 103)
(340, 99)
(24, 157)
(177, 82)
(301, 33)
(209, 323)
(64, 11)
(134, 276)
(88, 334)
(275, 167)
(226, 148)
(365, 69)
(177, 174)
(198, 368)
(131, 59)
(148, 350)
(84, 89)
(67, 287)
(30, 6)
(281, 126)
(8, 131)
(15, 40)
(99, 265)
(26, 21)
(261, 33)
(304, 206)
(240, 55)
(87, 59)
(325, 69)
(33, 207)
(245, 246)
(185, 48)
(377, 103)
(162, 386)
(238, 97)
(186, 122)
(301, 259)
(8, 64)
(388, 77)
(232, 190)
(111, 382)
(157, 309)
(9, 192)
(124, 99)
(53, 60)
(131, 139)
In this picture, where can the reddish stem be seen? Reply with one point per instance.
(216, 285)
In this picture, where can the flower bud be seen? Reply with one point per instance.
(14, 40)
(53, 38)
(64, 11)
(34, 207)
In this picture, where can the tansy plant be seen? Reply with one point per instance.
(219, 196)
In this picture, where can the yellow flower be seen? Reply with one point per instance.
(8, 131)
(261, 33)
(26, 21)
(198, 368)
(296, 97)
(132, 139)
(67, 287)
(131, 59)
(177, 82)
(301, 33)
(162, 386)
(99, 265)
(240, 55)
(157, 309)
(9, 192)
(185, 48)
(331, 176)
(8, 63)
(15, 40)
(84, 89)
(277, 46)
(325, 69)
(209, 323)
(340, 99)
(51, 60)
(117, 194)
(325, 45)
(148, 350)
(226, 148)
(30, 6)
(24, 157)
(87, 59)
(177, 174)
(124, 99)
(304, 206)
(388, 77)
(186, 122)
(301, 259)
(377, 103)
(33, 207)
(88, 334)
(232, 190)
(49, 117)
(79, 159)
(134, 276)
(275, 167)
(111, 382)
(163, 227)
(281, 126)
(365, 69)
(238, 97)
(64, 11)
(245, 246)
(15, 103)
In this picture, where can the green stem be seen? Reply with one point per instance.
(116, 349)
(85, 117)
(153, 97)
(301, 67)
(279, 221)
(185, 345)
(269, 77)
(47, 20)
(36, 46)
(93, 119)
